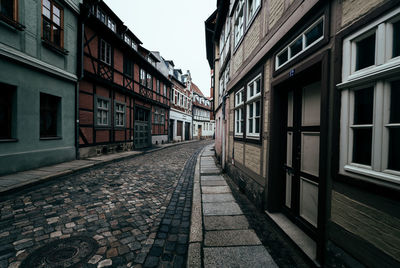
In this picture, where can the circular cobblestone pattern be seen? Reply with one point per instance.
(62, 253)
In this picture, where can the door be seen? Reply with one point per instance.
(302, 156)
(187, 131)
(171, 130)
(199, 132)
(142, 132)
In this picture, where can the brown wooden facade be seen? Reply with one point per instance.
(114, 99)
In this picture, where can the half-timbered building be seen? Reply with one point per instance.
(123, 99)
(203, 123)
(181, 105)
(308, 125)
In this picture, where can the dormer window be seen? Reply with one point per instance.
(106, 20)
(134, 45)
(127, 40)
(111, 25)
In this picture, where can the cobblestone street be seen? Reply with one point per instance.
(130, 213)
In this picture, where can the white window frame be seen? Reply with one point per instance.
(251, 104)
(250, 17)
(106, 57)
(302, 36)
(104, 111)
(239, 110)
(111, 24)
(238, 22)
(120, 114)
(380, 75)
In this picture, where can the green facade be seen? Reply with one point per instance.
(31, 67)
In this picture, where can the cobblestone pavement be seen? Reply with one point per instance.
(138, 211)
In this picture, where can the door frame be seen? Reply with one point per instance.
(149, 120)
(277, 143)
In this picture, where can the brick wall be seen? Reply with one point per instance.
(238, 152)
(253, 158)
(354, 9)
(275, 11)
(253, 36)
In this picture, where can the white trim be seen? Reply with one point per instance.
(21, 57)
(304, 47)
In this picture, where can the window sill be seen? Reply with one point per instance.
(8, 140)
(107, 127)
(386, 177)
(12, 22)
(55, 48)
(50, 138)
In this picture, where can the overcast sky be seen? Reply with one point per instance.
(173, 27)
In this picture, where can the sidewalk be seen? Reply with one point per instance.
(220, 235)
(17, 181)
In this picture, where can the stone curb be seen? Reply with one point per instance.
(96, 163)
(196, 221)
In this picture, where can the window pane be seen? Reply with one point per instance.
(257, 125)
(362, 146)
(314, 34)
(258, 108)
(396, 39)
(7, 7)
(296, 47)
(394, 149)
(365, 52)
(56, 20)
(250, 125)
(394, 102)
(56, 36)
(56, 11)
(46, 30)
(258, 84)
(251, 91)
(46, 3)
(48, 115)
(251, 112)
(363, 106)
(5, 112)
(282, 58)
(45, 10)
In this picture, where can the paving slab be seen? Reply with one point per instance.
(217, 198)
(225, 238)
(225, 222)
(215, 189)
(214, 183)
(212, 177)
(250, 256)
(210, 172)
(221, 209)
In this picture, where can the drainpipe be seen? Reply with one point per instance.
(223, 132)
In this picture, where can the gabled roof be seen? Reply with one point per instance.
(197, 90)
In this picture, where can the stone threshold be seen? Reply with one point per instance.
(307, 245)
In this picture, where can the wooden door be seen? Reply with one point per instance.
(302, 155)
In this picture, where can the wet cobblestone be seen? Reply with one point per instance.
(131, 208)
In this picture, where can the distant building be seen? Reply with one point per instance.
(203, 123)
(124, 98)
(38, 83)
(181, 105)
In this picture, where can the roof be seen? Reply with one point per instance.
(197, 90)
